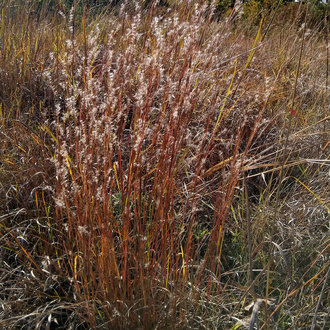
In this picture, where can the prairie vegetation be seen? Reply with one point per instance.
(163, 168)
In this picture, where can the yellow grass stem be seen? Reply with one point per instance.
(254, 45)
(311, 191)
(220, 116)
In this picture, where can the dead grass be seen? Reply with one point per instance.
(160, 169)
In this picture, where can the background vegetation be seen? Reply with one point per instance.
(163, 167)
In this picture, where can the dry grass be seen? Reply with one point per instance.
(161, 169)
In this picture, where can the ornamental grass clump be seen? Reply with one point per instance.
(148, 135)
